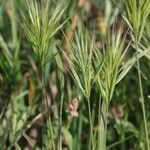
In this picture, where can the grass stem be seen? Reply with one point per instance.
(91, 125)
(47, 107)
(60, 122)
(142, 102)
(99, 120)
(103, 125)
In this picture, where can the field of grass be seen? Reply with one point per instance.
(74, 75)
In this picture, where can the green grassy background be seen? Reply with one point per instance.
(22, 112)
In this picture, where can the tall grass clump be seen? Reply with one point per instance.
(41, 23)
(80, 60)
(137, 13)
(116, 64)
(105, 67)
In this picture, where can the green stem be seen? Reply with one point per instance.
(142, 101)
(13, 24)
(91, 125)
(79, 130)
(60, 122)
(51, 132)
(99, 116)
(47, 107)
(123, 139)
(119, 142)
(103, 126)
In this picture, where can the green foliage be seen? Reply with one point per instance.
(87, 87)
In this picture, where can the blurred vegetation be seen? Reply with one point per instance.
(74, 74)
